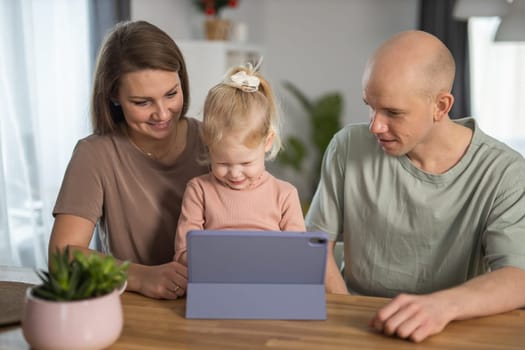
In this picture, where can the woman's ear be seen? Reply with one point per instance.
(269, 141)
(444, 102)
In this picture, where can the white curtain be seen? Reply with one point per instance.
(44, 93)
(498, 83)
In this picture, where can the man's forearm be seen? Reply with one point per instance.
(419, 316)
(492, 293)
(334, 282)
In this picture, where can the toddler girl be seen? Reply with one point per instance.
(240, 130)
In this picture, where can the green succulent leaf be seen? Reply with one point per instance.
(45, 294)
(76, 276)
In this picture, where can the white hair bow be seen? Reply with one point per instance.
(245, 82)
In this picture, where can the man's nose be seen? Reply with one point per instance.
(377, 124)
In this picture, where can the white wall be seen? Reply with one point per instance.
(320, 46)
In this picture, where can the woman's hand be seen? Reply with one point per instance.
(167, 281)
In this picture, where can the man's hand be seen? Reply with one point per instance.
(413, 317)
(417, 317)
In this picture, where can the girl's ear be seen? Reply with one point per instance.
(269, 141)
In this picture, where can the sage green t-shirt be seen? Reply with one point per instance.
(406, 230)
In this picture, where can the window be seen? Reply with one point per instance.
(498, 83)
(44, 93)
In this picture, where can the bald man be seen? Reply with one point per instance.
(426, 206)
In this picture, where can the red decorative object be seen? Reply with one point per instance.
(212, 8)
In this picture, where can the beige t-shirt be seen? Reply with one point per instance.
(270, 205)
(135, 200)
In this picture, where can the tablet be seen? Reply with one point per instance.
(256, 275)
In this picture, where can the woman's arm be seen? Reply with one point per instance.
(167, 281)
(73, 231)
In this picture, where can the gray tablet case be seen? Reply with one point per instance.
(256, 275)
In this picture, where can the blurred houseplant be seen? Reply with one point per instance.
(77, 306)
(324, 116)
(216, 28)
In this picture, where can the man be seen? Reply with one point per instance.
(425, 205)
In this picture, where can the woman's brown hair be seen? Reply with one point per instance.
(130, 47)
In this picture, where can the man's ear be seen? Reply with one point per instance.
(444, 102)
(269, 141)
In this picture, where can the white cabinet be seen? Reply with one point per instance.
(207, 63)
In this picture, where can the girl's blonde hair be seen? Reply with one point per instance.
(229, 107)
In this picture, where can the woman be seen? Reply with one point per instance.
(128, 178)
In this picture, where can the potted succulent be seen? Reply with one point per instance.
(324, 116)
(77, 306)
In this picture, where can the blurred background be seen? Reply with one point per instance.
(314, 54)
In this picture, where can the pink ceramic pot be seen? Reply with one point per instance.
(73, 325)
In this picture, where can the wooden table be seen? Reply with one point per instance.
(160, 324)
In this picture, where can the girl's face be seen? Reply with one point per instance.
(152, 102)
(235, 164)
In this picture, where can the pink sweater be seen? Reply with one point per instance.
(271, 205)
